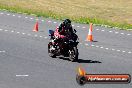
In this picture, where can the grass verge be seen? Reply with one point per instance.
(86, 20)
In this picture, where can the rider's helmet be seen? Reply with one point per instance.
(67, 23)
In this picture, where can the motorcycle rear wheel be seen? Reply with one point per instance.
(73, 54)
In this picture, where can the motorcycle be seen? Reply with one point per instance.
(66, 47)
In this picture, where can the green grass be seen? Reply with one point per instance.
(56, 15)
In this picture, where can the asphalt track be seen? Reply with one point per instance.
(24, 61)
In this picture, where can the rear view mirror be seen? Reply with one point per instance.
(51, 32)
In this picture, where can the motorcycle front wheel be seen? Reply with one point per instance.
(50, 52)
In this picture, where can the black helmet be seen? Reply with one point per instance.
(67, 21)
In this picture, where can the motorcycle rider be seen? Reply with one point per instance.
(64, 29)
(63, 41)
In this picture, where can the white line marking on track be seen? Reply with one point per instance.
(129, 52)
(106, 48)
(128, 34)
(26, 17)
(1, 29)
(1, 13)
(31, 18)
(123, 51)
(49, 21)
(102, 30)
(113, 49)
(23, 33)
(101, 47)
(122, 33)
(97, 29)
(13, 15)
(118, 50)
(18, 32)
(78, 26)
(22, 75)
(110, 31)
(2, 51)
(42, 20)
(5, 30)
(116, 32)
(79, 43)
(55, 22)
(73, 25)
(12, 31)
(8, 14)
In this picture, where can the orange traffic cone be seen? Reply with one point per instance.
(90, 36)
(36, 27)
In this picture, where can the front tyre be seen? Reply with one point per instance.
(73, 54)
(50, 52)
